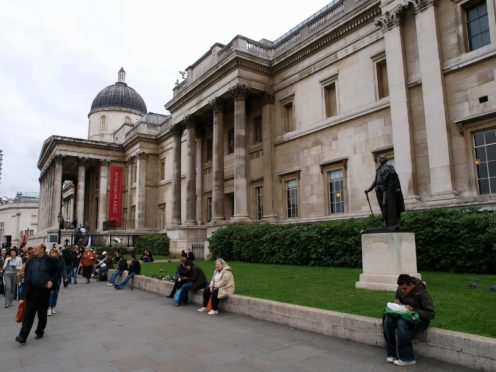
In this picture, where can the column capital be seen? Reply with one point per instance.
(239, 91)
(421, 5)
(217, 104)
(268, 98)
(82, 160)
(190, 121)
(59, 159)
(142, 155)
(177, 129)
(391, 19)
(104, 162)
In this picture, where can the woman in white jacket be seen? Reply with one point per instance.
(221, 286)
(11, 268)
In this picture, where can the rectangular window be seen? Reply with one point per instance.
(209, 209)
(162, 169)
(292, 198)
(331, 107)
(161, 212)
(382, 79)
(257, 130)
(485, 161)
(477, 25)
(336, 196)
(288, 117)
(259, 202)
(230, 141)
(209, 149)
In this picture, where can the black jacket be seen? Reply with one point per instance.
(51, 271)
(122, 264)
(197, 277)
(135, 267)
(419, 299)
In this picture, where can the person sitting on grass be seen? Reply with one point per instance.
(134, 269)
(411, 292)
(147, 256)
(180, 272)
(196, 280)
(221, 286)
(121, 267)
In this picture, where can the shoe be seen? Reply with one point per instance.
(213, 312)
(176, 304)
(399, 362)
(20, 339)
(38, 336)
(390, 359)
(53, 310)
(170, 296)
(110, 285)
(49, 312)
(117, 287)
(203, 309)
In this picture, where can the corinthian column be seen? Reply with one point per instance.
(240, 181)
(191, 175)
(102, 194)
(199, 174)
(268, 185)
(57, 195)
(218, 160)
(81, 184)
(141, 191)
(177, 131)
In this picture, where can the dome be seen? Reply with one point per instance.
(119, 95)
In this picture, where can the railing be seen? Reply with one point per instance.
(198, 250)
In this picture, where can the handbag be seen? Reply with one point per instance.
(20, 311)
(209, 304)
(177, 296)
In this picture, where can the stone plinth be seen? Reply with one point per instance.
(384, 257)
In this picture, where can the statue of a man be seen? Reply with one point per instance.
(388, 191)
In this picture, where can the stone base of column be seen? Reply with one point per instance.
(182, 238)
(384, 257)
(270, 218)
(443, 198)
(411, 199)
(190, 223)
(240, 219)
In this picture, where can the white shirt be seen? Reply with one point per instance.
(10, 263)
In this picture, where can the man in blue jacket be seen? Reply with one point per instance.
(39, 276)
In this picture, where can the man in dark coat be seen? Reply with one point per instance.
(412, 293)
(388, 191)
(39, 278)
(196, 280)
(134, 269)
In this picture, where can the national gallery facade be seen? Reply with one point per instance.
(289, 131)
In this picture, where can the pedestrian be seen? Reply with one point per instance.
(221, 286)
(61, 274)
(88, 259)
(11, 267)
(68, 258)
(39, 275)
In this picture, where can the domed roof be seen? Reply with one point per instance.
(119, 95)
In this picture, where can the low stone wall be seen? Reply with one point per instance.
(448, 346)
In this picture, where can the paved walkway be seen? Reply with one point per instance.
(97, 328)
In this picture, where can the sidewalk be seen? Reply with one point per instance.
(97, 328)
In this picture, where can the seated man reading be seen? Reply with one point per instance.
(412, 293)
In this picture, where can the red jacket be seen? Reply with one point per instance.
(88, 258)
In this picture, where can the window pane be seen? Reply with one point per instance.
(485, 38)
(480, 154)
(492, 183)
(491, 152)
(484, 186)
(484, 25)
(474, 28)
(482, 170)
(472, 13)
(492, 169)
(479, 138)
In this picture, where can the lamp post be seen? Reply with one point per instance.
(60, 218)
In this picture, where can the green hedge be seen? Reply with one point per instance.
(156, 244)
(447, 240)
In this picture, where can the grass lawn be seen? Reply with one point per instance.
(458, 307)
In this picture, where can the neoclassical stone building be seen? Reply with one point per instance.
(289, 130)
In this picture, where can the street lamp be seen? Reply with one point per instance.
(60, 218)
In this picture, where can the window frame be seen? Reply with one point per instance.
(326, 84)
(380, 84)
(468, 38)
(474, 162)
(326, 169)
(288, 113)
(285, 178)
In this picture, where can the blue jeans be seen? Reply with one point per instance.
(74, 274)
(183, 299)
(126, 279)
(54, 294)
(115, 275)
(405, 331)
(101, 272)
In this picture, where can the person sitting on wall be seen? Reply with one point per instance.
(221, 286)
(105, 265)
(191, 255)
(411, 292)
(134, 269)
(196, 280)
(184, 254)
(180, 272)
(121, 267)
(147, 256)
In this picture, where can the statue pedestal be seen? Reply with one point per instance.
(384, 257)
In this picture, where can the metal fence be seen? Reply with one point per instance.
(198, 250)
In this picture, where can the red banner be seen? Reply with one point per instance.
(115, 197)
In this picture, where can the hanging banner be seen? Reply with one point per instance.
(114, 215)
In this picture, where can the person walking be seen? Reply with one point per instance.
(39, 275)
(61, 274)
(88, 259)
(11, 268)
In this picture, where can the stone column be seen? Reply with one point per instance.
(268, 185)
(199, 174)
(102, 194)
(191, 175)
(57, 188)
(81, 185)
(240, 163)
(217, 105)
(441, 181)
(130, 218)
(398, 97)
(41, 207)
(177, 131)
(141, 191)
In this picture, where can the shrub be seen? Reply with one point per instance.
(460, 240)
(156, 244)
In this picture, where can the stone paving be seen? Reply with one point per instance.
(98, 328)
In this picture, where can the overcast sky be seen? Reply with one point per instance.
(55, 56)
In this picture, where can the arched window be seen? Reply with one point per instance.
(102, 124)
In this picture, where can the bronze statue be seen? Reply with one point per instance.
(388, 190)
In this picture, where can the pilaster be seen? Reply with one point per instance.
(141, 190)
(81, 185)
(57, 188)
(217, 106)
(199, 174)
(190, 125)
(102, 194)
(268, 184)
(177, 131)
